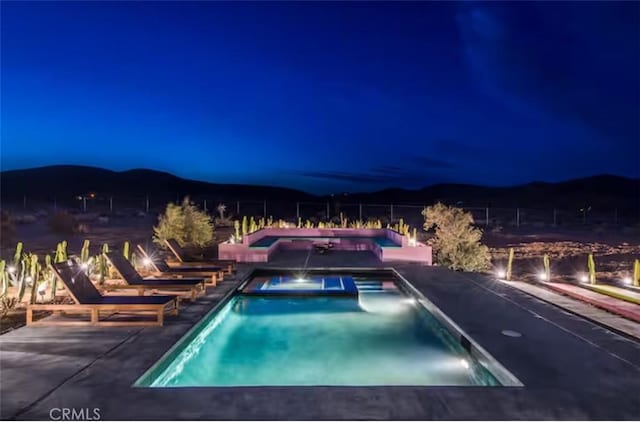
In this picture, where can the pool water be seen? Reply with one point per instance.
(380, 337)
(267, 241)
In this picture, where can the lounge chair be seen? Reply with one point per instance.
(183, 257)
(159, 266)
(323, 248)
(187, 287)
(87, 299)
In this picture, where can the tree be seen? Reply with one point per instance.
(184, 223)
(457, 242)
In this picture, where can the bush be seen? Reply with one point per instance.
(457, 242)
(62, 223)
(184, 223)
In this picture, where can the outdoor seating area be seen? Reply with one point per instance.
(386, 244)
(88, 300)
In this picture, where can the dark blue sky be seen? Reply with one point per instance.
(325, 96)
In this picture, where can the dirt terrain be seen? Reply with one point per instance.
(614, 249)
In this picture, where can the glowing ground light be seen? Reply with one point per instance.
(583, 278)
(29, 279)
(146, 261)
(11, 269)
(627, 280)
(501, 273)
(84, 266)
(542, 276)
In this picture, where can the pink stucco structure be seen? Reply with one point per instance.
(345, 239)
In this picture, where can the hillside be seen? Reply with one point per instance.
(602, 192)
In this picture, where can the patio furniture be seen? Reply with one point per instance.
(88, 300)
(159, 266)
(183, 257)
(133, 280)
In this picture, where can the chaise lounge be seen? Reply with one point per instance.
(189, 288)
(183, 257)
(88, 300)
(159, 266)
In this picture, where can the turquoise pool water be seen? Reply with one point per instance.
(267, 241)
(380, 337)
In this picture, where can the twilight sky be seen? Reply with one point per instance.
(325, 96)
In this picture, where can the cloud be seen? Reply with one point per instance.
(416, 172)
(577, 62)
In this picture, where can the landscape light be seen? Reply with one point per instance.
(501, 273)
(464, 363)
(583, 278)
(146, 261)
(28, 279)
(84, 266)
(542, 276)
(627, 280)
(11, 269)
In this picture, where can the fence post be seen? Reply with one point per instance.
(147, 204)
(328, 210)
(55, 204)
(264, 209)
(615, 216)
(297, 210)
(24, 202)
(360, 211)
(486, 216)
(238, 208)
(555, 220)
(111, 204)
(84, 204)
(205, 206)
(518, 217)
(391, 210)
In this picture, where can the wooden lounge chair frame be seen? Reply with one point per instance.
(183, 287)
(161, 268)
(161, 306)
(180, 255)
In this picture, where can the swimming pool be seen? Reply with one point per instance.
(268, 241)
(382, 335)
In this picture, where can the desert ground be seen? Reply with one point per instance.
(614, 247)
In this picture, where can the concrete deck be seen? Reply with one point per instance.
(571, 368)
(623, 308)
(597, 315)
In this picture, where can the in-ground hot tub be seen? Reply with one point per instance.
(386, 244)
(283, 327)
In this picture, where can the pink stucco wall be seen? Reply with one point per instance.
(403, 252)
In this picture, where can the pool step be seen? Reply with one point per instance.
(369, 286)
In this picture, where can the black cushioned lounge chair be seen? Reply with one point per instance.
(88, 300)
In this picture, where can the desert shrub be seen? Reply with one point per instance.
(62, 223)
(185, 223)
(223, 222)
(457, 242)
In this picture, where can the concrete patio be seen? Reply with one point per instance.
(571, 368)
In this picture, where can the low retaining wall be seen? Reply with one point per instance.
(341, 238)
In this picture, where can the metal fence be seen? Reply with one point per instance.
(315, 211)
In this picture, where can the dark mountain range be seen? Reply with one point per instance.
(63, 181)
(603, 191)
